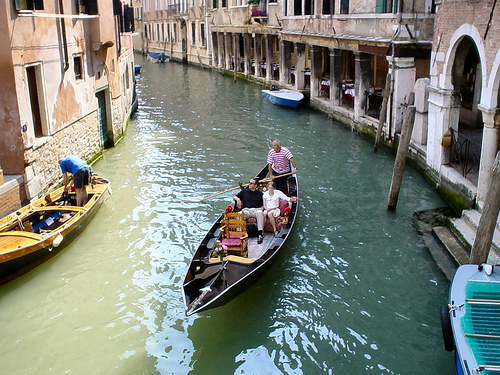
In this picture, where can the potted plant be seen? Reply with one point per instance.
(219, 250)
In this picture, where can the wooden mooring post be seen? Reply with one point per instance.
(383, 111)
(402, 153)
(489, 216)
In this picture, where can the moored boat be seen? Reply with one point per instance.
(159, 57)
(471, 320)
(38, 231)
(283, 97)
(212, 281)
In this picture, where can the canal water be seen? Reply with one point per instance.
(354, 290)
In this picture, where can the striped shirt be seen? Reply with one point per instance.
(280, 161)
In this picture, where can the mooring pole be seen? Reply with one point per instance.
(383, 111)
(399, 164)
(489, 216)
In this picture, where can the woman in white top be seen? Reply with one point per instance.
(272, 199)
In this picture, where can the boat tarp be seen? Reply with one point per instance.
(481, 323)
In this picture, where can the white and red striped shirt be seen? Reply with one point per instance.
(280, 161)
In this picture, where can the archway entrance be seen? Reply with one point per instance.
(467, 124)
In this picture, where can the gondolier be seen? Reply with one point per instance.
(278, 161)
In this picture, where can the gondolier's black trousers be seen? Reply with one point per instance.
(281, 181)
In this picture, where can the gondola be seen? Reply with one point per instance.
(36, 232)
(211, 283)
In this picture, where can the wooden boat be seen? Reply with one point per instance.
(471, 321)
(38, 231)
(210, 283)
(283, 97)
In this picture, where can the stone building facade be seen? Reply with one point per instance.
(67, 77)
(464, 95)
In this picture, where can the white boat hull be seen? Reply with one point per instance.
(285, 98)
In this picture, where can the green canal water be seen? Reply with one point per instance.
(354, 290)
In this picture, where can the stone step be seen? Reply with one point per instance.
(472, 217)
(456, 251)
(465, 229)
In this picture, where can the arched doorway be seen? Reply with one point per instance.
(466, 123)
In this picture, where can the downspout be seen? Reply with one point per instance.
(399, 18)
(65, 42)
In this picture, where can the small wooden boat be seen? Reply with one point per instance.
(38, 231)
(211, 283)
(283, 97)
(471, 321)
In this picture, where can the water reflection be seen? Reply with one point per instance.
(354, 289)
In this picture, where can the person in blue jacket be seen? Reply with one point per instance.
(81, 172)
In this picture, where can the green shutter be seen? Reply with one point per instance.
(380, 6)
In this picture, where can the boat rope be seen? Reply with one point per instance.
(20, 222)
(452, 307)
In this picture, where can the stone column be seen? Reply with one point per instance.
(285, 62)
(300, 66)
(247, 39)
(220, 49)
(443, 114)
(236, 51)
(362, 65)
(315, 71)
(336, 71)
(227, 51)
(257, 50)
(489, 147)
(403, 73)
(269, 57)
(215, 53)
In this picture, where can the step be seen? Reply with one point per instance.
(451, 244)
(472, 218)
(465, 229)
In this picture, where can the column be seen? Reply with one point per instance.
(269, 57)
(215, 53)
(489, 147)
(257, 51)
(362, 65)
(247, 39)
(227, 51)
(285, 61)
(336, 73)
(220, 49)
(403, 73)
(300, 66)
(315, 71)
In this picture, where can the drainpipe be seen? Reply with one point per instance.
(65, 42)
(399, 18)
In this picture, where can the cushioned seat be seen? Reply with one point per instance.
(234, 233)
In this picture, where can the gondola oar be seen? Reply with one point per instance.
(234, 188)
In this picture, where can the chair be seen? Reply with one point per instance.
(234, 233)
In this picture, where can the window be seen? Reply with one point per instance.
(78, 67)
(308, 7)
(328, 6)
(175, 32)
(297, 7)
(344, 6)
(214, 4)
(193, 33)
(35, 92)
(224, 4)
(87, 6)
(202, 34)
(29, 4)
(385, 6)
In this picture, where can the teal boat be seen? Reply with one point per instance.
(471, 320)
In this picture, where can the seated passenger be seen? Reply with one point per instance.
(272, 200)
(249, 201)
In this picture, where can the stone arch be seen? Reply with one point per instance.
(465, 77)
(491, 96)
